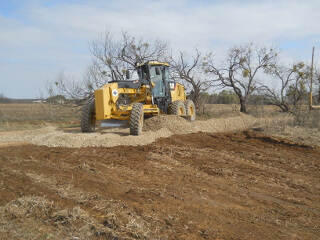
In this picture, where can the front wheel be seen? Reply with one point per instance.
(88, 117)
(136, 119)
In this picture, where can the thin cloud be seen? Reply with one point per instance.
(38, 39)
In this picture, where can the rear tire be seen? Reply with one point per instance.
(190, 109)
(88, 117)
(178, 108)
(136, 119)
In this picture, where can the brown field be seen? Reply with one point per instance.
(30, 116)
(34, 115)
(225, 176)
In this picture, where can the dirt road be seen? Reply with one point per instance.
(242, 185)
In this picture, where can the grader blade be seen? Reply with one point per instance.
(112, 123)
(187, 117)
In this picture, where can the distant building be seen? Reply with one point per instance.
(39, 101)
(57, 99)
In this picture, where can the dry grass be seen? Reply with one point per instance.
(232, 110)
(15, 117)
(36, 112)
(26, 207)
(217, 110)
(309, 119)
(116, 221)
(301, 126)
(51, 221)
(34, 217)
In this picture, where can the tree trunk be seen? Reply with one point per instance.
(283, 107)
(286, 107)
(196, 96)
(243, 107)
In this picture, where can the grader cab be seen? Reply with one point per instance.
(152, 94)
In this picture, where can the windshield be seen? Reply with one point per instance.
(166, 75)
(159, 89)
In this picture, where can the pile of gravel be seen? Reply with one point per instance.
(156, 127)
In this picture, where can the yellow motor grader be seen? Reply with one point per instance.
(131, 100)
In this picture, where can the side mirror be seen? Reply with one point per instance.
(128, 74)
(158, 72)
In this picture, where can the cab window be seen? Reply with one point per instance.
(159, 89)
(166, 75)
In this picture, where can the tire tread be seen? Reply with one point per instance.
(87, 111)
(135, 116)
(175, 107)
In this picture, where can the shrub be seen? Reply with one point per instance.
(309, 119)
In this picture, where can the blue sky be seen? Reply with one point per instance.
(38, 39)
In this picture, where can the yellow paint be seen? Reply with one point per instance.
(103, 101)
(311, 106)
(178, 93)
(107, 96)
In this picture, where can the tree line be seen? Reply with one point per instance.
(245, 72)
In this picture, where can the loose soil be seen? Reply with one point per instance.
(161, 126)
(202, 185)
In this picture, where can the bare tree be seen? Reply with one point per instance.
(189, 69)
(111, 57)
(316, 78)
(241, 68)
(289, 83)
(65, 85)
(298, 90)
(3, 98)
